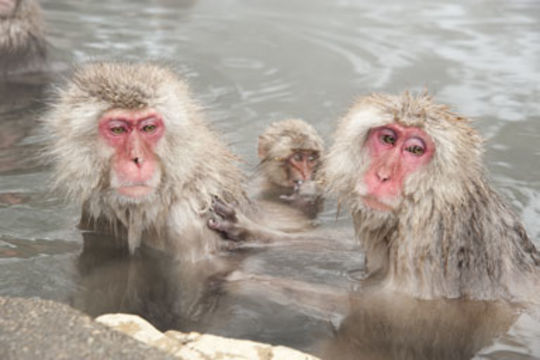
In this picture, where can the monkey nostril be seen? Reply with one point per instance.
(138, 161)
(383, 177)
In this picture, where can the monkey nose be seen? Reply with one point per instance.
(383, 176)
(138, 161)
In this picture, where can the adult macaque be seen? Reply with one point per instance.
(286, 186)
(22, 42)
(130, 146)
(428, 219)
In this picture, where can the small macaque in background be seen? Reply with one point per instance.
(130, 146)
(286, 184)
(430, 223)
(22, 40)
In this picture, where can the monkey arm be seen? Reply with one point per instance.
(246, 232)
(238, 227)
(306, 197)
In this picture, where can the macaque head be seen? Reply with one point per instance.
(7, 7)
(130, 145)
(392, 149)
(128, 134)
(290, 152)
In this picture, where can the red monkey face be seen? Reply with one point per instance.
(134, 135)
(396, 152)
(302, 165)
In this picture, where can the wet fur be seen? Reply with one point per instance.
(452, 235)
(22, 40)
(271, 183)
(278, 142)
(195, 165)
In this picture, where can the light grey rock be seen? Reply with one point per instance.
(195, 346)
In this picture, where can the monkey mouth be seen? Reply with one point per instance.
(376, 204)
(135, 191)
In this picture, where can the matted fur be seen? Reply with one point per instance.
(279, 141)
(286, 208)
(195, 165)
(451, 234)
(22, 41)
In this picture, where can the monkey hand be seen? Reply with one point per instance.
(227, 222)
(304, 194)
(238, 230)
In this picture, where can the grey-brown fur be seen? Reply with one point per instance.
(451, 235)
(195, 165)
(279, 141)
(273, 184)
(22, 40)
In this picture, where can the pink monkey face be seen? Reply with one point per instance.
(396, 152)
(134, 135)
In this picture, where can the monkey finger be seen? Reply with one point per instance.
(222, 209)
(226, 229)
(218, 225)
(287, 197)
(230, 246)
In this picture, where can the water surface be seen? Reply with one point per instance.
(250, 63)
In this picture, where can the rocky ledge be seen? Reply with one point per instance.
(43, 329)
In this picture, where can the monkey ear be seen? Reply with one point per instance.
(262, 147)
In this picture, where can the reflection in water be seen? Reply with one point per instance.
(168, 292)
(330, 322)
(391, 326)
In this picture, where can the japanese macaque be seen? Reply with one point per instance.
(286, 186)
(131, 147)
(22, 41)
(424, 212)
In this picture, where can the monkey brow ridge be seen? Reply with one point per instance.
(128, 98)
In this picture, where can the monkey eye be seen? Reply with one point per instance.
(117, 130)
(313, 157)
(416, 150)
(415, 146)
(388, 137)
(149, 128)
(298, 156)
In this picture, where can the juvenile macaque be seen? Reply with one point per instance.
(286, 184)
(130, 146)
(22, 42)
(429, 221)
(289, 153)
